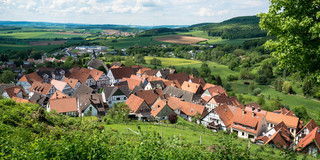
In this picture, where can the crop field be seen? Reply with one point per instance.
(180, 39)
(213, 40)
(38, 35)
(216, 69)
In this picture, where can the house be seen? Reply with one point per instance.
(154, 85)
(40, 99)
(138, 107)
(59, 73)
(100, 78)
(62, 86)
(96, 63)
(248, 125)
(136, 68)
(65, 106)
(141, 71)
(219, 118)
(117, 64)
(116, 74)
(132, 83)
(26, 80)
(208, 85)
(311, 143)
(82, 89)
(163, 73)
(160, 109)
(179, 93)
(20, 100)
(3, 87)
(91, 104)
(198, 81)
(278, 137)
(16, 91)
(152, 72)
(83, 75)
(45, 73)
(149, 96)
(113, 95)
(284, 111)
(213, 91)
(186, 109)
(291, 122)
(305, 130)
(180, 77)
(73, 83)
(144, 80)
(42, 88)
(191, 87)
(216, 100)
(58, 94)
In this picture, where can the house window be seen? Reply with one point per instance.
(90, 109)
(118, 98)
(110, 102)
(125, 98)
(242, 133)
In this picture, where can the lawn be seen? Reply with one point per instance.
(216, 69)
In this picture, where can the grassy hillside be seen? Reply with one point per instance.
(29, 132)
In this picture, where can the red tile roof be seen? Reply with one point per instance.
(119, 73)
(132, 82)
(208, 85)
(13, 91)
(58, 95)
(39, 87)
(199, 81)
(216, 90)
(180, 77)
(96, 74)
(64, 105)
(134, 103)
(157, 107)
(248, 119)
(72, 82)
(190, 87)
(60, 85)
(142, 70)
(276, 118)
(82, 74)
(190, 109)
(20, 100)
(310, 126)
(313, 136)
(30, 78)
(225, 114)
(148, 95)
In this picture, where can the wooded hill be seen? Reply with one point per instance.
(234, 28)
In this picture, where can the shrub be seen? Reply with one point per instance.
(173, 118)
(286, 87)
(256, 91)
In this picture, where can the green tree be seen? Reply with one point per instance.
(101, 68)
(139, 58)
(261, 100)
(286, 87)
(7, 77)
(156, 62)
(301, 112)
(278, 84)
(297, 27)
(128, 62)
(307, 87)
(251, 87)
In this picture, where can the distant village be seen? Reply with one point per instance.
(152, 95)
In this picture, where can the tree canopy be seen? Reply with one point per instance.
(297, 27)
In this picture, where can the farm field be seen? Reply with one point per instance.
(38, 35)
(213, 40)
(180, 39)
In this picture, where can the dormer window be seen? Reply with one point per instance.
(191, 111)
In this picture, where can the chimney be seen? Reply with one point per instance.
(243, 112)
(253, 114)
(91, 96)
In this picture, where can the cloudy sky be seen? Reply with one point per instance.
(129, 12)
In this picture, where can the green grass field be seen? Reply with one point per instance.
(216, 69)
(213, 40)
(38, 35)
(292, 101)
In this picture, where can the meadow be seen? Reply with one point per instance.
(39, 35)
(216, 69)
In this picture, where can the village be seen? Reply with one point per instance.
(152, 95)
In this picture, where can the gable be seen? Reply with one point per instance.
(118, 93)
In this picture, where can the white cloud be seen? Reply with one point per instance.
(209, 12)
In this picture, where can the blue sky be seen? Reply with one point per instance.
(129, 12)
